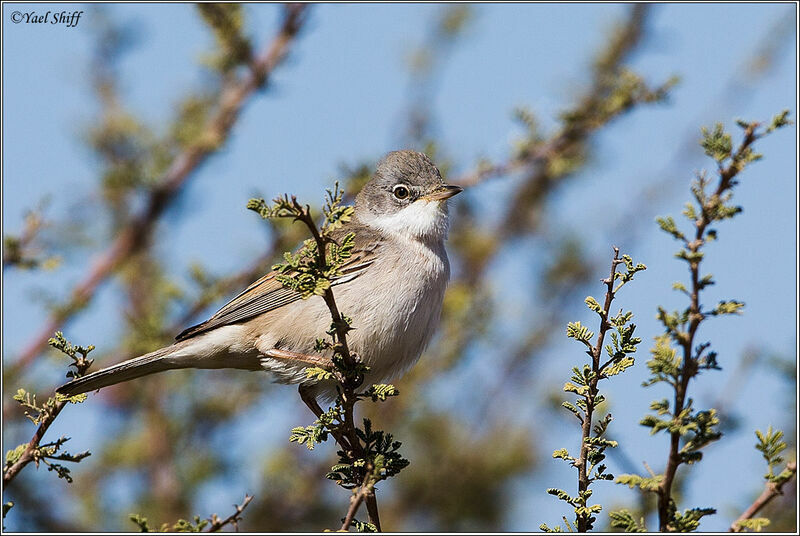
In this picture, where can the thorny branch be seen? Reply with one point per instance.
(345, 433)
(233, 519)
(597, 369)
(34, 450)
(696, 316)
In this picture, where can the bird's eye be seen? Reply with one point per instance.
(400, 192)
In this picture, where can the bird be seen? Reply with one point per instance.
(392, 287)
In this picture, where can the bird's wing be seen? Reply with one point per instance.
(268, 294)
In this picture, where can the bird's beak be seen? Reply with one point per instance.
(445, 191)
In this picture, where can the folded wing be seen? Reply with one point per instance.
(268, 294)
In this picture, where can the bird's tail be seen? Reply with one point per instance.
(137, 367)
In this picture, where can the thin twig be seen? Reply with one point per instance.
(350, 442)
(689, 362)
(233, 519)
(586, 425)
(31, 449)
(133, 236)
(771, 490)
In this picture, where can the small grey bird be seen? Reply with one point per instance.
(392, 287)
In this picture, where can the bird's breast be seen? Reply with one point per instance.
(395, 306)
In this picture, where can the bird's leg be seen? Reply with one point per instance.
(307, 396)
(310, 400)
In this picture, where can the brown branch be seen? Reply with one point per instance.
(233, 519)
(586, 117)
(689, 366)
(31, 450)
(586, 425)
(355, 501)
(771, 490)
(537, 180)
(346, 436)
(338, 323)
(135, 233)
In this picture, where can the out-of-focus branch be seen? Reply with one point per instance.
(135, 233)
(739, 88)
(591, 112)
(771, 490)
(549, 162)
(233, 519)
(20, 250)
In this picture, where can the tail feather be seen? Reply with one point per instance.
(121, 372)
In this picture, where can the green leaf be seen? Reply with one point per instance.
(623, 519)
(12, 456)
(717, 143)
(382, 391)
(756, 524)
(563, 496)
(362, 526)
(140, 521)
(592, 304)
(779, 121)
(308, 435)
(644, 483)
(318, 373)
(579, 332)
(570, 387)
(731, 307)
(667, 224)
(618, 367)
(690, 519)
(600, 442)
(573, 409)
(562, 454)
(771, 445)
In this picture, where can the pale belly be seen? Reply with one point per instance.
(394, 314)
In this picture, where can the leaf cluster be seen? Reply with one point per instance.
(182, 525)
(78, 354)
(584, 383)
(366, 456)
(381, 459)
(227, 22)
(771, 445)
(691, 430)
(43, 414)
(308, 271)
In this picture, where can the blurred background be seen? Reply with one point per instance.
(129, 156)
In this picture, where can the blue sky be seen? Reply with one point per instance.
(341, 98)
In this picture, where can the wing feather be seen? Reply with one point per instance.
(268, 294)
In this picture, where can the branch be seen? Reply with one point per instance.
(233, 519)
(584, 521)
(689, 366)
(30, 453)
(352, 444)
(355, 502)
(135, 233)
(48, 412)
(771, 490)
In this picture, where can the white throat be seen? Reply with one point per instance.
(421, 220)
